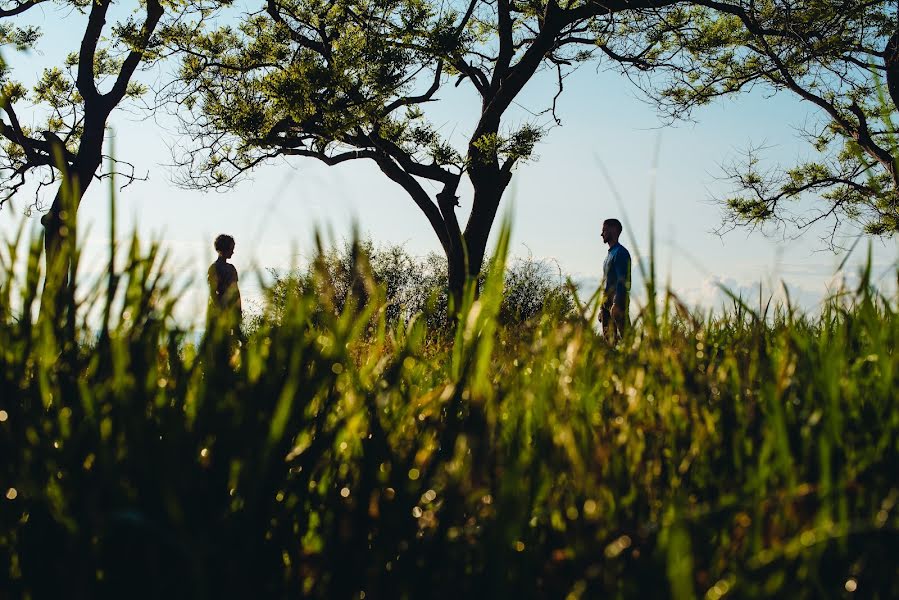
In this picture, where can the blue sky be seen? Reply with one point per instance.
(557, 201)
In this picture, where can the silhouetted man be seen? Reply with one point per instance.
(616, 272)
(224, 296)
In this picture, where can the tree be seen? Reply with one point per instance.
(840, 56)
(342, 80)
(63, 144)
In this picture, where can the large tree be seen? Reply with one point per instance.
(54, 133)
(841, 57)
(343, 80)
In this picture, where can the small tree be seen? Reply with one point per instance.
(60, 142)
(840, 57)
(344, 80)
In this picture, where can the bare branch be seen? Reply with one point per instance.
(87, 87)
(154, 14)
(421, 98)
(19, 7)
(506, 44)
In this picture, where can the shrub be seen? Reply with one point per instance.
(413, 286)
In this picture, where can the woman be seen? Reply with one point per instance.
(224, 296)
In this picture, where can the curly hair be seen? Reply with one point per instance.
(224, 242)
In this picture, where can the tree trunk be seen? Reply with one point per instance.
(76, 178)
(489, 183)
(59, 222)
(454, 248)
(487, 196)
(466, 253)
(489, 180)
(54, 232)
(455, 279)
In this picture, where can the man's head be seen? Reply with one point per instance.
(611, 230)
(224, 245)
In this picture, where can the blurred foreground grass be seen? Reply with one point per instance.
(342, 454)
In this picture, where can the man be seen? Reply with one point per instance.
(224, 296)
(616, 271)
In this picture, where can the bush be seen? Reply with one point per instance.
(413, 286)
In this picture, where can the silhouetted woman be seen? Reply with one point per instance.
(224, 296)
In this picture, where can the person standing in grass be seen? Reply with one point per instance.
(616, 272)
(224, 296)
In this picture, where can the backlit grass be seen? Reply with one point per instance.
(342, 454)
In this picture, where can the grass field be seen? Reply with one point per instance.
(342, 454)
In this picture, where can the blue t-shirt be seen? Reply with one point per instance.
(616, 272)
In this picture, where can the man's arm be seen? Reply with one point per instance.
(236, 291)
(212, 280)
(621, 265)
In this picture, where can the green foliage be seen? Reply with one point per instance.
(20, 38)
(415, 287)
(518, 146)
(837, 57)
(336, 452)
(316, 81)
(69, 106)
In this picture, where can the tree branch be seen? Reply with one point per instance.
(420, 99)
(593, 8)
(19, 8)
(274, 11)
(154, 14)
(84, 81)
(433, 172)
(332, 160)
(419, 196)
(13, 132)
(506, 44)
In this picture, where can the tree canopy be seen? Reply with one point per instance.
(352, 79)
(839, 56)
(55, 131)
(344, 80)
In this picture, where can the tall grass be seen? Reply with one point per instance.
(345, 454)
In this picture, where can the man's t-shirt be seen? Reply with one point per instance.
(616, 271)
